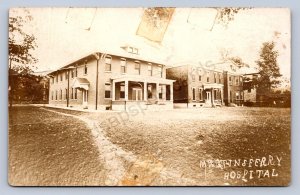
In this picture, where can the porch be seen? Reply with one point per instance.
(213, 94)
(150, 93)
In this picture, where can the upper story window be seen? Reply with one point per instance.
(76, 72)
(230, 81)
(207, 76)
(61, 77)
(52, 80)
(85, 68)
(72, 73)
(107, 63)
(123, 65)
(200, 78)
(137, 67)
(149, 69)
(160, 70)
(193, 77)
(66, 75)
(237, 80)
(220, 78)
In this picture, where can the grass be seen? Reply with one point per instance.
(50, 149)
(182, 138)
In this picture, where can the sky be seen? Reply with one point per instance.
(66, 34)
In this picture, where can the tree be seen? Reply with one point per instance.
(268, 69)
(20, 44)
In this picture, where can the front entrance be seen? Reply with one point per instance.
(84, 98)
(137, 94)
(208, 97)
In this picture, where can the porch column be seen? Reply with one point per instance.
(113, 91)
(145, 91)
(212, 96)
(157, 92)
(171, 92)
(126, 90)
(222, 101)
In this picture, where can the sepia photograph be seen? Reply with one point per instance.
(149, 96)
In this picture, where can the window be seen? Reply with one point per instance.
(56, 95)
(149, 69)
(108, 63)
(60, 95)
(75, 94)
(207, 77)
(160, 70)
(200, 78)
(137, 67)
(57, 78)
(52, 80)
(200, 94)
(237, 95)
(241, 95)
(76, 72)
(123, 66)
(194, 94)
(133, 50)
(237, 81)
(66, 94)
(72, 93)
(107, 90)
(249, 90)
(215, 94)
(122, 90)
(66, 75)
(215, 77)
(85, 68)
(149, 88)
(61, 77)
(220, 78)
(52, 95)
(230, 80)
(193, 77)
(160, 92)
(72, 73)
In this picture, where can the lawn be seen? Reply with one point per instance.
(50, 149)
(205, 146)
(181, 139)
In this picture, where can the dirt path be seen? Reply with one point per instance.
(125, 168)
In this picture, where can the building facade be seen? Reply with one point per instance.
(204, 87)
(104, 81)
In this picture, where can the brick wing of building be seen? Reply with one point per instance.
(204, 87)
(105, 81)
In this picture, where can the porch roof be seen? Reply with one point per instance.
(81, 83)
(142, 78)
(213, 85)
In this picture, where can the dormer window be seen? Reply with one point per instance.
(133, 50)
